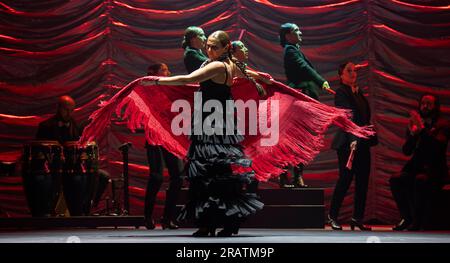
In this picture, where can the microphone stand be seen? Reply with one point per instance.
(124, 149)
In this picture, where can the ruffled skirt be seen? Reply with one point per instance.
(216, 194)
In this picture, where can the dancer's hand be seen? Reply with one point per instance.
(326, 86)
(353, 145)
(415, 125)
(266, 79)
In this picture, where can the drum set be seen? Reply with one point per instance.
(50, 170)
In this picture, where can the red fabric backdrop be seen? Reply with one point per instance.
(87, 48)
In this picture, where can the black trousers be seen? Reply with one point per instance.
(360, 170)
(156, 156)
(413, 193)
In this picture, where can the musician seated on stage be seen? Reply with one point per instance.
(424, 174)
(61, 127)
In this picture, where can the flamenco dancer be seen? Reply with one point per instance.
(216, 196)
(301, 75)
(217, 163)
(193, 42)
(157, 156)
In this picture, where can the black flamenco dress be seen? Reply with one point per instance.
(217, 196)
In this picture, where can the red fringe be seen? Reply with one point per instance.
(302, 124)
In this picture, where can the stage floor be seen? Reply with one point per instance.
(246, 235)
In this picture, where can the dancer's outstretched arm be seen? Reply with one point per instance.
(207, 72)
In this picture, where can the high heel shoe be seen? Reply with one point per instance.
(356, 223)
(415, 226)
(404, 224)
(334, 224)
(149, 224)
(227, 232)
(168, 225)
(300, 183)
(298, 177)
(284, 182)
(204, 232)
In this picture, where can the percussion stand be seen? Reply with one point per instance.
(126, 200)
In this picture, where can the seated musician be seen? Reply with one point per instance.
(62, 127)
(416, 187)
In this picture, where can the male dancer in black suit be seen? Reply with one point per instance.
(193, 42)
(301, 75)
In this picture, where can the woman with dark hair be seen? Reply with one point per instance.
(239, 51)
(349, 96)
(156, 157)
(193, 42)
(216, 195)
(158, 69)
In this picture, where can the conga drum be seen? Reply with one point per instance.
(79, 176)
(41, 173)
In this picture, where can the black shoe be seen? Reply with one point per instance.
(298, 177)
(149, 224)
(299, 183)
(284, 183)
(334, 224)
(404, 224)
(168, 225)
(227, 232)
(204, 232)
(415, 227)
(356, 223)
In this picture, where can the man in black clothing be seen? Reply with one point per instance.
(193, 41)
(61, 127)
(301, 75)
(424, 174)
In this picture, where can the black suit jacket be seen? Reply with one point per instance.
(300, 73)
(428, 150)
(193, 59)
(51, 130)
(345, 99)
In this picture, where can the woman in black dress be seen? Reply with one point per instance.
(216, 196)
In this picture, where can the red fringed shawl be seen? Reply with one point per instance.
(302, 122)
